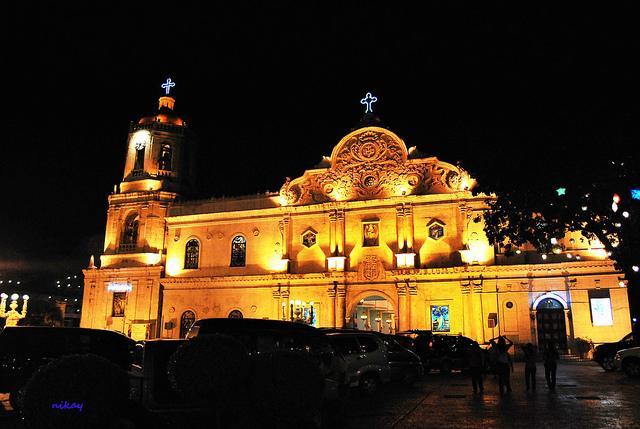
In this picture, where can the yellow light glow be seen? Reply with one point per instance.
(279, 265)
(152, 258)
(405, 260)
(336, 263)
(173, 266)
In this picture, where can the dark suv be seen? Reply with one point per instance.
(25, 348)
(447, 352)
(264, 336)
(605, 353)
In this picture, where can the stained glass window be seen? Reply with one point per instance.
(440, 318)
(238, 251)
(187, 319)
(309, 239)
(436, 231)
(192, 254)
(165, 157)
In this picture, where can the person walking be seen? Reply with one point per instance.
(550, 357)
(504, 362)
(476, 367)
(530, 366)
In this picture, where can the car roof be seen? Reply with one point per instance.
(63, 330)
(257, 324)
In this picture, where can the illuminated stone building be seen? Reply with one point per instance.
(373, 237)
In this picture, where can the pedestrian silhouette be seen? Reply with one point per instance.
(550, 357)
(530, 365)
(504, 362)
(476, 367)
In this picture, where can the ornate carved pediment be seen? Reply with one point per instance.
(369, 163)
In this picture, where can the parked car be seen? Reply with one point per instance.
(604, 354)
(628, 360)
(148, 378)
(366, 358)
(418, 341)
(26, 348)
(264, 336)
(405, 364)
(446, 353)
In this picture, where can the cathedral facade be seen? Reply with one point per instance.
(374, 237)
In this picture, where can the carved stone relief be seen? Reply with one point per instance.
(372, 163)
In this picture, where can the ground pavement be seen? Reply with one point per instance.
(585, 397)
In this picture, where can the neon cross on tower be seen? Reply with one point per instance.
(168, 85)
(367, 101)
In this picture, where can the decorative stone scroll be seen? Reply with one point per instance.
(372, 162)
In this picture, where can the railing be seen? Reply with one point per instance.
(126, 248)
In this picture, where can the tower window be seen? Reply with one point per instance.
(192, 254)
(139, 165)
(166, 154)
(130, 232)
(238, 251)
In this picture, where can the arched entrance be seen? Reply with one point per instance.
(551, 323)
(373, 313)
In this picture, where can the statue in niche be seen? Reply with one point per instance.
(370, 234)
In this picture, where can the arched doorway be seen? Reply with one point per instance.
(373, 313)
(551, 323)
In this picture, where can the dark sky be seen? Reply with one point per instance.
(270, 88)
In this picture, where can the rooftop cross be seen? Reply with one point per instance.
(168, 85)
(367, 101)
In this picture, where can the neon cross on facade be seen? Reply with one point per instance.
(367, 101)
(168, 85)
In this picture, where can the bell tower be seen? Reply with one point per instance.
(160, 151)
(123, 294)
(158, 169)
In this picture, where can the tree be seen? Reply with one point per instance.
(599, 199)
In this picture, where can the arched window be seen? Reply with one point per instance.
(130, 232)
(191, 254)
(165, 157)
(238, 251)
(187, 319)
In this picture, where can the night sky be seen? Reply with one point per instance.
(269, 88)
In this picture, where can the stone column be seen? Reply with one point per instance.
(332, 233)
(286, 236)
(331, 292)
(568, 329)
(400, 228)
(277, 307)
(408, 222)
(340, 228)
(465, 289)
(412, 304)
(477, 315)
(284, 297)
(341, 292)
(403, 321)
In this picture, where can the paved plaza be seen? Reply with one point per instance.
(585, 397)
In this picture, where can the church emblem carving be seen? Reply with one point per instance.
(373, 162)
(371, 268)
